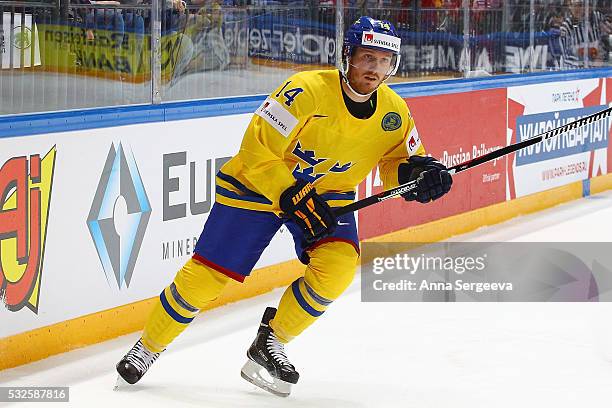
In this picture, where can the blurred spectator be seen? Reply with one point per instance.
(210, 13)
(178, 46)
(486, 17)
(133, 17)
(603, 15)
(554, 20)
(81, 16)
(578, 35)
(440, 15)
(96, 18)
(174, 16)
(135, 29)
(110, 19)
(205, 30)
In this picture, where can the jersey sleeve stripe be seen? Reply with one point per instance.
(230, 194)
(231, 180)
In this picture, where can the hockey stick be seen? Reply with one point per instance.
(405, 188)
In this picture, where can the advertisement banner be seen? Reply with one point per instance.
(126, 55)
(26, 182)
(573, 156)
(295, 40)
(68, 47)
(302, 41)
(99, 218)
(18, 41)
(497, 52)
(215, 41)
(453, 128)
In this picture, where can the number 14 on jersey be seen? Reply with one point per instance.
(290, 94)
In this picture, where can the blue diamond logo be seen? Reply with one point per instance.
(119, 216)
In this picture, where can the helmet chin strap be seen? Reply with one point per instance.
(346, 81)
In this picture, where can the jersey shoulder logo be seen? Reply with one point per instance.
(414, 141)
(277, 116)
(391, 121)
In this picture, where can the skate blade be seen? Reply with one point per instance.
(121, 383)
(251, 371)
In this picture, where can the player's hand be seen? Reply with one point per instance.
(308, 210)
(432, 178)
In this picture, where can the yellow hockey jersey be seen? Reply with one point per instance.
(304, 130)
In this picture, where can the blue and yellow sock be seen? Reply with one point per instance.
(193, 287)
(330, 271)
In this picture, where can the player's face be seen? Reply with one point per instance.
(576, 9)
(368, 68)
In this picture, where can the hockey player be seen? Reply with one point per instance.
(306, 148)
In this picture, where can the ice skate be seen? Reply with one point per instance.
(267, 366)
(134, 364)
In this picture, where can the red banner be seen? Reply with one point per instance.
(454, 128)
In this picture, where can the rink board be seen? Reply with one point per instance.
(95, 222)
(126, 207)
(460, 126)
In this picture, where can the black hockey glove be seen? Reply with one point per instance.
(310, 212)
(433, 179)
